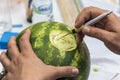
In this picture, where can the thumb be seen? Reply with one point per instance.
(66, 71)
(98, 33)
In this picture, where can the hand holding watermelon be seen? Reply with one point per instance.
(43, 55)
(25, 65)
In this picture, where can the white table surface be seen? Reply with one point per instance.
(107, 63)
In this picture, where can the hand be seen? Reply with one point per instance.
(23, 64)
(107, 30)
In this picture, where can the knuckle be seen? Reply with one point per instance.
(22, 39)
(96, 34)
(11, 42)
(16, 62)
(20, 60)
(56, 70)
(2, 56)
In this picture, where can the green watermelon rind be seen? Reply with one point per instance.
(49, 54)
(66, 43)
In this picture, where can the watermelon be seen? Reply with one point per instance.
(48, 45)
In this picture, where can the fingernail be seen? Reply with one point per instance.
(27, 30)
(75, 72)
(86, 30)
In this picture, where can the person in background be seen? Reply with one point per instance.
(25, 65)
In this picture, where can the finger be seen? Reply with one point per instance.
(24, 43)
(87, 14)
(98, 33)
(79, 37)
(4, 60)
(66, 71)
(13, 51)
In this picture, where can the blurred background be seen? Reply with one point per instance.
(22, 13)
(64, 10)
